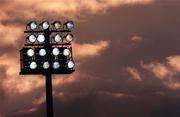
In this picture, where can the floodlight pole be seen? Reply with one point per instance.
(49, 96)
(48, 72)
(49, 89)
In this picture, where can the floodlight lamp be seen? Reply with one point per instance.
(57, 38)
(46, 65)
(30, 52)
(69, 37)
(55, 51)
(42, 52)
(32, 38)
(33, 25)
(57, 25)
(41, 38)
(56, 65)
(45, 25)
(70, 64)
(33, 65)
(66, 52)
(69, 25)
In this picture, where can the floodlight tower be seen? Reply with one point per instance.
(47, 51)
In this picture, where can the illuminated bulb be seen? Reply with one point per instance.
(56, 65)
(30, 52)
(57, 38)
(32, 38)
(45, 25)
(66, 52)
(69, 37)
(55, 51)
(33, 65)
(57, 25)
(41, 38)
(46, 65)
(70, 64)
(42, 52)
(69, 25)
(33, 25)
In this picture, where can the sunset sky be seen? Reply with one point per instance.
(127, 55)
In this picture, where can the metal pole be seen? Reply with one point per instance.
(49, 96)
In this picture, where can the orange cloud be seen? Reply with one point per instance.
(158, 69)
(10, 34)
(88, 50)
(134, 73)
(39, 100)
(174, 61)
(136, 38)
(28, 9)
(166, 72)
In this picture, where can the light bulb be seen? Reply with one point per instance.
(70, 64)
(55, 51)
(56, 65)
(30, 52)
(66, 52)
(33, 65)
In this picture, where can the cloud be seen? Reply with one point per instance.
(136, 38)
(10, 34)
(158, 69)
(134, 73)
(174, 61)
(60, 6)
(90, 50)
(167, 72)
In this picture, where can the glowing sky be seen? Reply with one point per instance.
(127, 55)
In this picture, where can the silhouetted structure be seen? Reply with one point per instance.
(47, 51)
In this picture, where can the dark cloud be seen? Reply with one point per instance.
(157, 24)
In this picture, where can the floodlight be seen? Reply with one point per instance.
(41, 38)
(33, 25)
(56, 65)
(57, 25)
(69, 37)
(46, 65)
(33, 65)
(32, 38)
(30, 52)
(45, 25)
(57, 38)
(70, 64)
(69, 25)
(55, 51)
(42, 52)
(66, 52)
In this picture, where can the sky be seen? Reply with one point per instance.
(127, 55)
